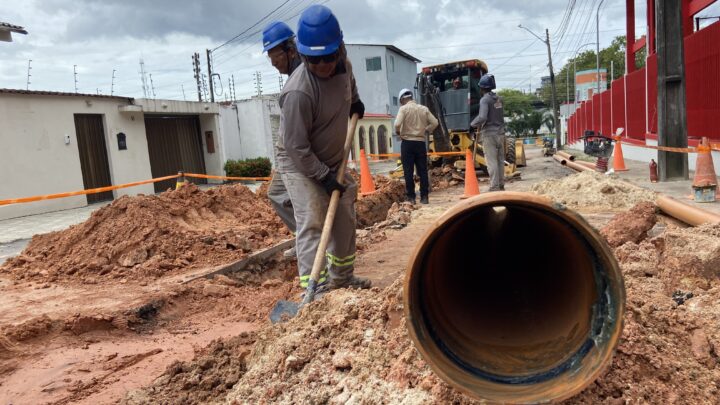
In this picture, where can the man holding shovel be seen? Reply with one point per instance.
(316, 102)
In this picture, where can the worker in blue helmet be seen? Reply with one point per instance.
(490, 123)
(316, 102)
(279, 43)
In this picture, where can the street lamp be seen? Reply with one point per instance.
(597, 42)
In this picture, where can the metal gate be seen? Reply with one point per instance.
(174, 145)
(93, 155)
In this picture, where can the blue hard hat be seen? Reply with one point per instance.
(487, 81)
(275, 34)
(318, 32)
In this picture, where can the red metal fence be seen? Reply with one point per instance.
(631, 102)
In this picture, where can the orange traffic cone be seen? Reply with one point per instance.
(704, 168)
(367, 186)
(618, 159)
(471, 184)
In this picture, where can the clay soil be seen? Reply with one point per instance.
(103, 307)
(209, 341)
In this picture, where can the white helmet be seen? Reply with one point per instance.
(404, 93)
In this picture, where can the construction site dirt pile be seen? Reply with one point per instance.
(398, 217)
(593, 191)
(205, 380)
(631, 226)
(670, 347)
(144, 237)
(373, 208)
(444, 177)
(352, 346)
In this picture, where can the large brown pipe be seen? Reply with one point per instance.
(510, 322)
(686, 213)
(566, 155)
(575, 166)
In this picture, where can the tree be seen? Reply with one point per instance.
(534, 121)
(517, 105)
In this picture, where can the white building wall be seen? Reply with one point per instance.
(256, 126)
(372, 85)
(36, 160)
(214, 162)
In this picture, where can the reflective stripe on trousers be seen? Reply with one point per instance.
(310, 203)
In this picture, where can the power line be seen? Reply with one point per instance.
(252, 26)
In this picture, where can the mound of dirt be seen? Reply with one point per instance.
(444, 177)
(669, 352)
(590, 190)
(146, 236)
(352, 346)
(205, 379)
(373, 208)
(630, 226)
(398, 216)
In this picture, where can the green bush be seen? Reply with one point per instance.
(256, 167)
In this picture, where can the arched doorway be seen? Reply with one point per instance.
(361, 139)
(371, 140)
(382, 140)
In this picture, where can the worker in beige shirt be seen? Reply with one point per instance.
(413, 124)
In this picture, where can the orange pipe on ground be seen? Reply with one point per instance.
(686, 213)
(566, 155)
(507, 327)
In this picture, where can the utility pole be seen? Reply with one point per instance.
(143, 79)
(152, 86)
(671, 102)
(210, 75)
(182, 87)
(27, 86)
(75, 74)
(258, 82)
(556, 118)
(234, 96)
(204, 85)
(196, 74)
(112, 84)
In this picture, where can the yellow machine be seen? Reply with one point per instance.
(452, 94)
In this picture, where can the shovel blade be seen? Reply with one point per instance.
(283, 311)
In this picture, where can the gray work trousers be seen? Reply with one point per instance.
(494, 148)
(280, 201)
(310, 203)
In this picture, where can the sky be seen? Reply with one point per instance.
(93, 40)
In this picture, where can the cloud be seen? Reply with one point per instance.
(99, 36)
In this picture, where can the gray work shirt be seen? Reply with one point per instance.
(314, 121)
(490, 120)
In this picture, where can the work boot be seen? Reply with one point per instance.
(353, 283)
(292, 252)
(411, 200)
(424, 200)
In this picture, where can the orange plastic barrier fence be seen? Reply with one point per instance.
(82, 192)
(378, 155)
(699, 148)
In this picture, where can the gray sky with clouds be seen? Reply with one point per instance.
(99, 36)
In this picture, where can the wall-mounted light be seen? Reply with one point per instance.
(122, 143)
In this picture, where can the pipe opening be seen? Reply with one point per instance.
(492, 302)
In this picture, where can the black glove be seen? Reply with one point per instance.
(357, 107)
(331, 184)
